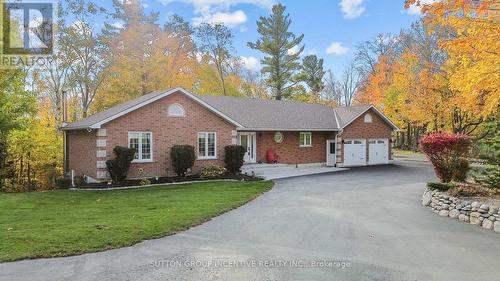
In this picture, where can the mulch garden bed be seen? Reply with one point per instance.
(160, 180)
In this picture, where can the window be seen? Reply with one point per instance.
(176, 110)
(142, 142)
(368, 118)
(305, 139)
(357, 142)
(207, 143)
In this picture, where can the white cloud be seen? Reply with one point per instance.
(219, 10)
(415, 10)
(117, 24)
(352, 8)
(230, 19)
(336, 48)
(251, 63)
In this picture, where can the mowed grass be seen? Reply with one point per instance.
(64, 222)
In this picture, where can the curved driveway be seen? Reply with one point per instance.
(369, 220)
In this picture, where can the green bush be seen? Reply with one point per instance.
(118, 167)
(183, 157)
(489, 176)
(233, 158)
(442, 186)
(212, 171)
(63, 183)
(460, 169)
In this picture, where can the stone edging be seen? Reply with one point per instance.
(476, 213)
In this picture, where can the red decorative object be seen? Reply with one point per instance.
(272, 157)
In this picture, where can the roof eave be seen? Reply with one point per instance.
(287, 129)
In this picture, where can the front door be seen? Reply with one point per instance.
(248, 141)
(331, 153)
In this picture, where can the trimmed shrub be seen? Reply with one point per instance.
(212, 171)
(440, 185)
(233, 158)
(446, 151)
(118, 167)
(183, 157)
(63, 183)
(460, 169)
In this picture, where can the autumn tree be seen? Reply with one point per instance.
(281, 62)
(215, 41)
(473, 49)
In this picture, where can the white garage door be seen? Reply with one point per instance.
(378, 151)
(354, 152)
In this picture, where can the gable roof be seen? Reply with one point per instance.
(246, 113)
(272, 115)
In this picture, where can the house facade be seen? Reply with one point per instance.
(298, 133)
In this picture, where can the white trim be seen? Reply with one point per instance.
(140, 146)
(336, 118)
(167, 93)
(382, 115)
(311, 139)
(206, 146)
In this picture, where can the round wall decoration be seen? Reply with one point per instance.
(278, 137)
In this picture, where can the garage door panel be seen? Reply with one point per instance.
(354, 152)
(378, 151)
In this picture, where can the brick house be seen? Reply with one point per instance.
(299, 133)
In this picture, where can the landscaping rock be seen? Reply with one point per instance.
(464, 218)
(426, 199)
(487, 224)
(474, 215)
(474, 221)
(496, 226)
(444, 213)
(454, 213)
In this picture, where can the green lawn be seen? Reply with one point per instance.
(63, 222)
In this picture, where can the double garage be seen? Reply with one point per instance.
(358, 153)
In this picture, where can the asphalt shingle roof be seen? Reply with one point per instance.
(252, 113)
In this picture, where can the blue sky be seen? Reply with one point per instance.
(332, 28)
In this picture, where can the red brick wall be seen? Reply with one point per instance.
(360, 130)
(168, 131)
(82, 155)
(289, 151)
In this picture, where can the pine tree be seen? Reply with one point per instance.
(312, 74)
(278, 43)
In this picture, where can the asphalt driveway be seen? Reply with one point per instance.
(361, 224)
